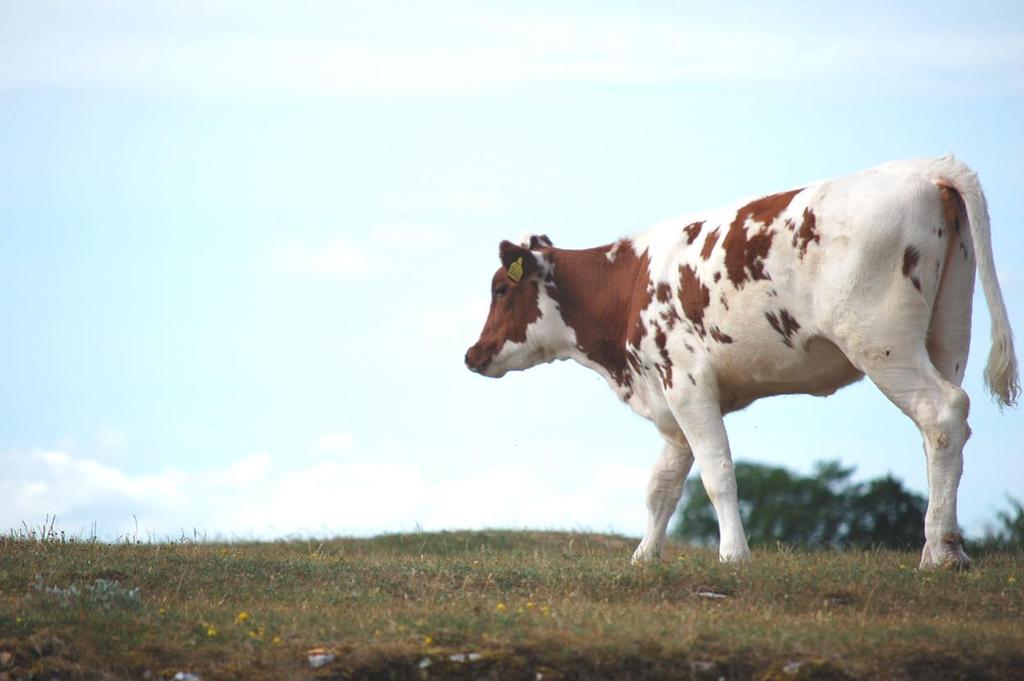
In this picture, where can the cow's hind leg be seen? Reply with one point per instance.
(906, 375)
(663, 492)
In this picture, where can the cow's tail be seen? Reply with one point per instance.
(1001, 377)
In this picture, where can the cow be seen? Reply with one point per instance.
(802, 291)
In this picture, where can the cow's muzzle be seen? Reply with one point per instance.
(477, 358)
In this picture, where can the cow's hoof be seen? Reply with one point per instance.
(947, 554)
(738, 556)
(645, 554)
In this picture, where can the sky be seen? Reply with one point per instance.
(244, 246)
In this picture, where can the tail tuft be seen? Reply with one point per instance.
(1001, 377)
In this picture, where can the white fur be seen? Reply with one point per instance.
(852, 301)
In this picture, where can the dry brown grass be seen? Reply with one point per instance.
(564, 606)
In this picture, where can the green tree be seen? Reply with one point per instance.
(824, 509)
(881, 512)
(1008, 535)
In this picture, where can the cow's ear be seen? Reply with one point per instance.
(518, 262)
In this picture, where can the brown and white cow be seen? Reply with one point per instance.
(804, 291)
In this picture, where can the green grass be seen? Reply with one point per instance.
(565, 606)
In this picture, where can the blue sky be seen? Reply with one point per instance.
(244, 246)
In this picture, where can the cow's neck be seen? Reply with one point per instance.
(601, 292)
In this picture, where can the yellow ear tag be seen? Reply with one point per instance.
(515, 270)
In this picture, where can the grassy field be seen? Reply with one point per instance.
(496, 605)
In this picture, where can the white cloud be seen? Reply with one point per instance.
(256, 496)
(56, 482)
(348, 51)
(245, 471)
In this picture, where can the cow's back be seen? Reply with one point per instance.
(763, 291)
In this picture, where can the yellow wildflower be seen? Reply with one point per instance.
(500, 607)
(211, 630)
(241, 617)
(1011, 580)
(427, 640)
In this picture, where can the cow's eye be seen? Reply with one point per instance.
(500, 290)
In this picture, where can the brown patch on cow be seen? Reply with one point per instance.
(665, 366)
(745, 253)
(602, 301)
(692, 379)
(524, 311)
(723, 301)
(767, 208)
(954, 212)
(784, 324)
(803, 237)
(717, 277)
(911, 256)
(513, 308)
(663, 293)
(670, 317)
(952, 204)
(694, 297)
(693, 231)
(637, 328)
(717, 334)
(788, 322)
(709, 244)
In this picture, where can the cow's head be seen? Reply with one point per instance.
(523, 327)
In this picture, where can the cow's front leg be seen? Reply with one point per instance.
(700, 419)
(663, 492)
